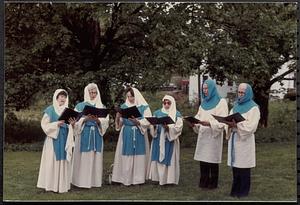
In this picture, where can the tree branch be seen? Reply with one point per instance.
(281, 77)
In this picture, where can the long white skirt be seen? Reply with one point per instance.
(53, 175)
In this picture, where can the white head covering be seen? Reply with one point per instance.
(138, 99)
(59, 109)
(172, 110)
(97, 101)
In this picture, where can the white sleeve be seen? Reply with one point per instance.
(216, 126)
(175, 129)
(118, 126)
(78, 125)
(70, 143)
(153, 132)
(196, 128)
(249, 126)
(144, 124)
(104, 124)
(51, 129)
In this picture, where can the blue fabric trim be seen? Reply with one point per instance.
(213, 98)
(133, 139)
(245, 103)
(169, 145)
(60, 142)
(91, 139)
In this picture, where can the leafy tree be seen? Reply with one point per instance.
(115, 44)
(69, 45)
(250, 43)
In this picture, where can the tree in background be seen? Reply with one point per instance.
(68, 45)
(250, 43)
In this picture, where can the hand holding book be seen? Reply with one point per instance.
(230, 120)
(68, 114)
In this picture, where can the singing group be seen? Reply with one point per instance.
(73, 151)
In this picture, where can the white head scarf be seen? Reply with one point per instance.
(172, 110)
(97, 101)
(59, 109)
(138, 99)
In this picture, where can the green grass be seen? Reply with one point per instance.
(273, 179)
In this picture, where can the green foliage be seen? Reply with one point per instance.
(282, 123)
(22, 131)
(24, 126)
(143, 44)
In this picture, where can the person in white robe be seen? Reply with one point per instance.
(165, 146)
(241, 144)
(89, 144)
(55, 167)
(210, 134)
(132, 151)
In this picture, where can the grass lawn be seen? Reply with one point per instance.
(273, 179)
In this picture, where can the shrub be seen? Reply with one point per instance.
(281, 123)
(22, 131)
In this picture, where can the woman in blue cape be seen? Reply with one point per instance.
(89, 143)
(55, 168)
(165, 146)
(241, 144)
(132, 152)
(210, 134)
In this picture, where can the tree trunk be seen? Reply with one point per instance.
(261, 97)
(104, 89)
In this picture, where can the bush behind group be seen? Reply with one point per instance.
(23, 130)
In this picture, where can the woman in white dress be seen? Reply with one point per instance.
(241, 144)
(55, 167)
(210, 134)
(165, 146)
(88, 150)
(132, 152)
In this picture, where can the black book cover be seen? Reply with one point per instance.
(99, 112)
(160, 120)
(69, 113)
(129, 112)
(236, 116)
(192, 120)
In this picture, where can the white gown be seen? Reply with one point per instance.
(131, 169)
(160, 172)
(210, 139)
(87, 166)
(53, 175)
(244, 140)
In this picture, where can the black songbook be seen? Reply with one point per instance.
(99, 112)
(69, 113)
(192, 120)
(160, 120)
(129, 112)
(236, 116)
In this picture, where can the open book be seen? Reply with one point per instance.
(129, 112)
(192, 120)
(99, 112)
(236, 116)
(69, 113)
(160, 120)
